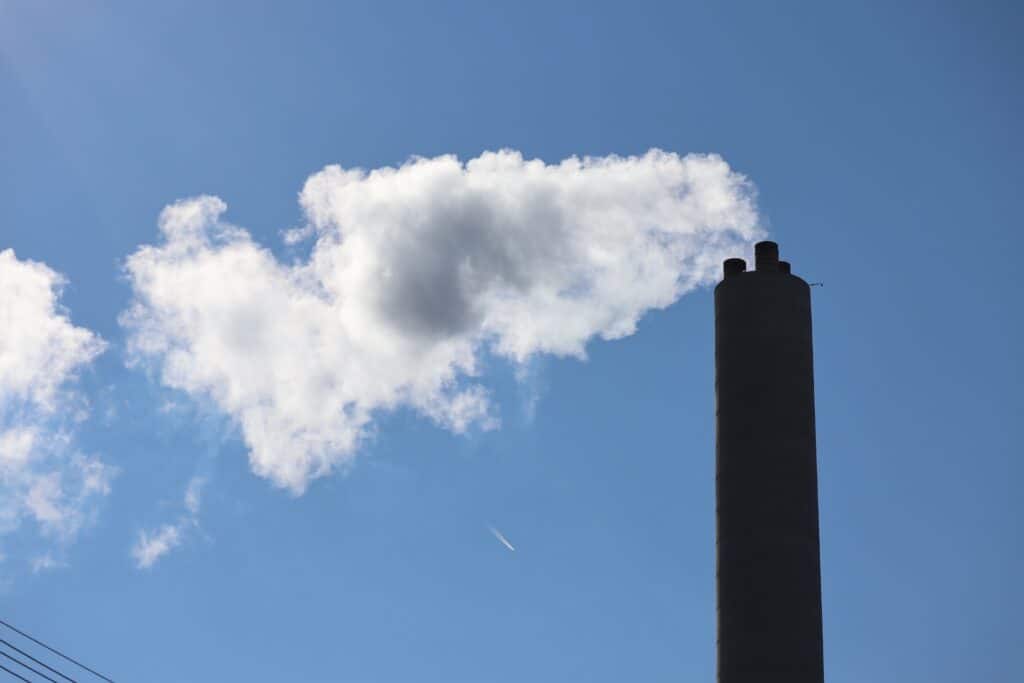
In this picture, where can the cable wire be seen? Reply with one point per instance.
(41, 664)
(14, 674)
(54, 651)
(21, 663)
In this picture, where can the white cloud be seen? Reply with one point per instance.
(415, 273)
(150, 546)
(40, 349)
(43, 477)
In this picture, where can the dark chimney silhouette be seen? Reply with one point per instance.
(766, 482)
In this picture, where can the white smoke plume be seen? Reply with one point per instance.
(44, 478)
(415, 273)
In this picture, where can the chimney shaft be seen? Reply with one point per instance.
(769, 576)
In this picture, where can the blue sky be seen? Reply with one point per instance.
(883, 141)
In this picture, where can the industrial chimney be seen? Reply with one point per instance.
(769, 574)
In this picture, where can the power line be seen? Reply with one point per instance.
(54, 651)
(14, 674)
(23, 664)
(43, 664)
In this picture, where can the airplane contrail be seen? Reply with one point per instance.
(498, 535)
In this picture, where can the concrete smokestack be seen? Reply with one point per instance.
(769, 573)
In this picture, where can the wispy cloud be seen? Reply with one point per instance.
(44, 478)
(44, 563)
(416, 272)
(192, 494)
(151, 545)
